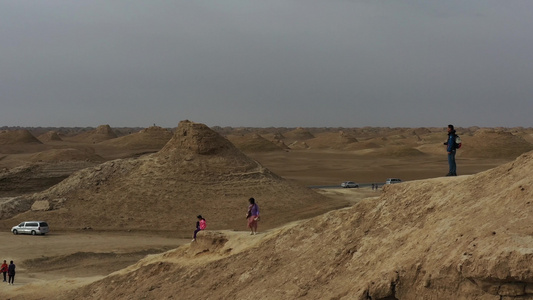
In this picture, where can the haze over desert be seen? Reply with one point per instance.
(122, 203)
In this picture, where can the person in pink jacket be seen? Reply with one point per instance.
(200, 225)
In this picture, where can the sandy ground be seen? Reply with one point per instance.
(73, 258)
(333, 167)
(63, 260)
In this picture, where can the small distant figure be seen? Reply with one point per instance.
(373, 186)
(11, 273)
(451, 148)
(3, 269)
(252, 216)
(200, 225)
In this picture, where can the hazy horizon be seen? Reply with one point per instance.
(266, 63)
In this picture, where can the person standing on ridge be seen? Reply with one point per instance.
(252, 216)
(451, 149)
(11, 273)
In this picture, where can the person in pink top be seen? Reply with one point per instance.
(252, 216)
(200, 225)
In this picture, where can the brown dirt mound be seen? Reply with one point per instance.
(70, 154)
(100, 134)
(466, 237)
(34, 178)
(298, 145)
(421, 131)
(253, 143)
(15, 137)
(332, 140)
(493, 144)
(278, 136)
(150, 138)
(299, 134)
(92, 263)
(50, 136)
(197, 172)
(397, 152)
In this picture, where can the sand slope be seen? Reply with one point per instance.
(494, 144)
(467, 237)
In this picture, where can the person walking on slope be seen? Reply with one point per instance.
(200, 225)
(11, 273)
(3, 270)
(252, 216)
(451, 149)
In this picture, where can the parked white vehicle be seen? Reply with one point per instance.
(393, 180)
(31, 227)
(349, 184)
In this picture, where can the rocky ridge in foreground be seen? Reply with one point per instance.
(466, 237)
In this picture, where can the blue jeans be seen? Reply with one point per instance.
(451, 163)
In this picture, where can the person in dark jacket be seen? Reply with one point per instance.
(451, 149)
(11, 273)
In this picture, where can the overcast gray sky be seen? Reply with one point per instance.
(334, 63)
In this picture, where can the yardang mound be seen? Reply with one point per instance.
(254, 143)
(15, 137)
(333, 140)
(466, 237)
(494, 144)
(100, 134)
(299, 134)
(197, 172)
(68, 154)
(150, 138)
(49, 136)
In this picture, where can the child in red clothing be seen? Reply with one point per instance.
(3, 269)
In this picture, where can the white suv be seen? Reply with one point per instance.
(349, 184)
(393, 180)
(31, 227)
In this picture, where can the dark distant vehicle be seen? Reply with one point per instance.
(349, 184)
(31, 227)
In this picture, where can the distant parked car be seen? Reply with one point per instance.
(349, 184)
(393, 180)
(31, 227)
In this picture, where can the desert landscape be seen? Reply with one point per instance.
(122, 203)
